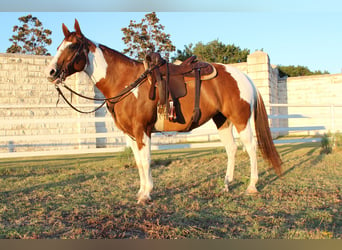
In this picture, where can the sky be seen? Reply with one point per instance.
(305, 32)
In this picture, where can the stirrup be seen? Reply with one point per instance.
(172, 112)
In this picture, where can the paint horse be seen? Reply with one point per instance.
(230, 99)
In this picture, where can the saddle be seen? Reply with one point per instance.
(170, 80)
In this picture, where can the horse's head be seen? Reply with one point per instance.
(71, 57)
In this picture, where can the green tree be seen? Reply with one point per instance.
(146, 36)
(215, 51)
(293, 71)
(30, 38)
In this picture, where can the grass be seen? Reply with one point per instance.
(94, 196)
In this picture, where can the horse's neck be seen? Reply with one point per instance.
(97, 65)
(110, 70)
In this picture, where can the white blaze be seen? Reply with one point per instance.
(53, 64)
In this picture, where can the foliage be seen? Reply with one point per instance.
(215, 51)
(293, 71)
(182, 55)
(126, 158)
(331, 142)
(30, 38)
(94, 196)
(338, 140)
(326, 144)
(146, 36)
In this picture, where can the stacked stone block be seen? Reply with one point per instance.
(320, 90)
(28, 108)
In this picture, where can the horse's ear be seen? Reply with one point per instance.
(65, 30)
(78, 29)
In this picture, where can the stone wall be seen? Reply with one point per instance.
(320, 90)
(28, 112)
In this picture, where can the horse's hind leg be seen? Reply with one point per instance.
(225, 132)
(246, 136)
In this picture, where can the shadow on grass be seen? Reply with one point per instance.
(79, 178)
(34, 171)
(267, 179)
(188, 154)
(44, 161)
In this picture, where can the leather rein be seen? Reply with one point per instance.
(113, 100)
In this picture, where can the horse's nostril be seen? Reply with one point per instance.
(52, 72)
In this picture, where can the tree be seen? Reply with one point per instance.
(146, 36)
(30, 38)
(184, 54)
(293, 71)
(215, 51)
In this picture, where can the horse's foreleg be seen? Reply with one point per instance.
(143, 159)
(226, 136)
(248, 140)
(132, 143)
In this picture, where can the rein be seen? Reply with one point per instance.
(113, 100)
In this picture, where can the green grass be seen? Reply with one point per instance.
(94, 196)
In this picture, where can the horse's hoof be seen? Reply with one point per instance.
(144, 199)
(251, 191)
(140, 193)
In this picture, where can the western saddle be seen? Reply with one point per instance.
(170, 80)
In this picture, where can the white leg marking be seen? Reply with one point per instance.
(248, 141)
(53, 62)
(136, 153)
(143, 160)
(226, 136)
(145, 157)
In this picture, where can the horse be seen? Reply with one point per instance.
(230, 99)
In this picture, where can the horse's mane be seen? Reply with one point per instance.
(118, 54)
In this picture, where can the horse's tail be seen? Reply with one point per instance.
(264, 136)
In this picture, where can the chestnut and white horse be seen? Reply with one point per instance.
(230, 99)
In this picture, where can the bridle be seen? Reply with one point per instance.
(82, 48)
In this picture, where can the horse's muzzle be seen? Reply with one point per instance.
(55, 75)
